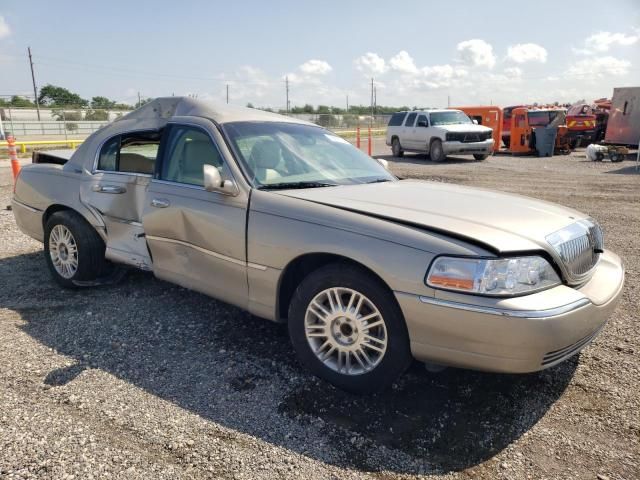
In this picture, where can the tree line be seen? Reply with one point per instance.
(57, 98)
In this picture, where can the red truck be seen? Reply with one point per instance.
(586, 123)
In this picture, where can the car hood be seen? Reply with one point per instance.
(499, 221)
(466, 127)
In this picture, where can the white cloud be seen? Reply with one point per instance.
(513, 72)
(316, 67)
(371, 63)
(599, 67)
(527, 52)
(5, 31)
(476, 52)
(403, 62)
(603, 41)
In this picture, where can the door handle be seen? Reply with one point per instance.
(108, 189)
(159, 203)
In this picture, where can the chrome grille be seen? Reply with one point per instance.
(579, 246)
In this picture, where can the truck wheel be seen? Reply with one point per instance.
(615, 157)
(436, 152)
(480, 156)
(396, 148)
(73, 250)
(348, 330)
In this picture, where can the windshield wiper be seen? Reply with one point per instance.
(292, 185)
(380, 180)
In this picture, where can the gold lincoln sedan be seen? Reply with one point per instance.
(289, 221)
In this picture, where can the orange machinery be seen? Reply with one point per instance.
(522, 131)
(520, 141)
(491, 117)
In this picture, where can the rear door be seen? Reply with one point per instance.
(116, 192)
(196, 237)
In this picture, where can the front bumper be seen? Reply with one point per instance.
(483, 148)
(515, 335)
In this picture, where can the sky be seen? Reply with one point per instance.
(419, 53)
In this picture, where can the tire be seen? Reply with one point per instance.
(436, 152)
(396, 148)
(616, 157)
(354, 372)
(68, 236)
(480, 156)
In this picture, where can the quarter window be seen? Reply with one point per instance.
(410, 119)
(189, 149)
(396, 119)
(130, 153)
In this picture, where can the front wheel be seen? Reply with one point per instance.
(480, 156)
(436, 152)
(348, 330)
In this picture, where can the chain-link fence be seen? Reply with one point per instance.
(23, 123)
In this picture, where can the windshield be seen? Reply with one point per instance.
(449, 118)
(274, 153)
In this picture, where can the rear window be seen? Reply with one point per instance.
(396, 119)
(410, 119)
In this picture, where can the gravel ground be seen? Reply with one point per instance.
(148, 380)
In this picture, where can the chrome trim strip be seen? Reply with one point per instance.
(24, 205)
(208, 252)
(551, 312)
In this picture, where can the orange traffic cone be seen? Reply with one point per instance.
(13, 156)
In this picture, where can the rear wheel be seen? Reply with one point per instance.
(480, 156)
(73, 250)
(348, 330)
(396, 148)
(436, 151)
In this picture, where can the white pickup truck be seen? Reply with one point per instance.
(438, 133)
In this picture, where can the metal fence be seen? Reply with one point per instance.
(79, 123)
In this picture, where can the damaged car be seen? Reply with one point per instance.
(289, 221)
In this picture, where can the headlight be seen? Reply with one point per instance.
(501, 276)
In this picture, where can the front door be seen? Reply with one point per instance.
(196, 237)
(418, 134)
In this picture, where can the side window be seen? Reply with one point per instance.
(130, 153)
(410, 119)
(188, 150)
(422, 121)
(396, 119)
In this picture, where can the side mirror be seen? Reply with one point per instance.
(213, 181)
(475, 121)
(383, 162)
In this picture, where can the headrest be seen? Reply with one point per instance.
(265, 154)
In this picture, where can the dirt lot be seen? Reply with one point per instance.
(147, 380)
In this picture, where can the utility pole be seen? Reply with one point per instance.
(227, 93)
(33, 79)
(286, 82)
(347, 103)
(375, 99)
(448, 101)
(372, 87)
(138, 106)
